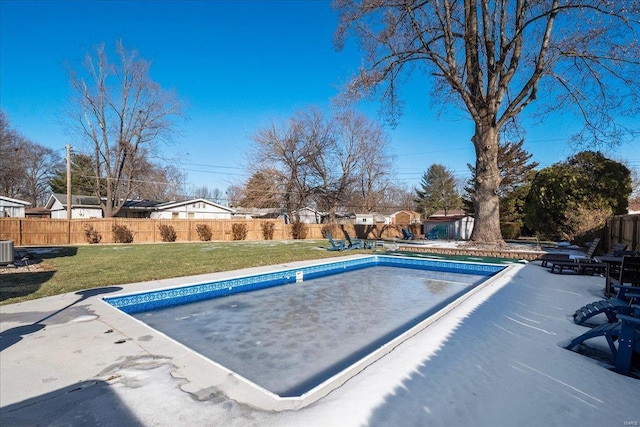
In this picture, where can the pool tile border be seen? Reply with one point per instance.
(155, 299)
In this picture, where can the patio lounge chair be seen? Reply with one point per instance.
(610, 307)
(335, 246)
(581, 264)
(407, 235)
(547, 259)
(627, 334)
(355, 243)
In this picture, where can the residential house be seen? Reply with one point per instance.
(369, 219)
(306, 215)
(259, 213)
(404, 217)
(37, 212)
(13, 208)
(309, 215)
(191, 209)
(90, 207)
(81, 206)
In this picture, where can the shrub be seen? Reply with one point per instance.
(331, 229)
(299, 230)
(204, 232)
(267, 230)
(92, 235)
(510, 230)
(121, 234)
(239, 231)
(583, 224)
(167, 232)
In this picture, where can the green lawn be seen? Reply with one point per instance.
(72, 268)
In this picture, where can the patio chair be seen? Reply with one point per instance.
(626, 331)
(583, 264)
(610, 307)
(547, 259)
(352, 243)
(433, 233)
(629, 271)
(335, 246)
(407, 235)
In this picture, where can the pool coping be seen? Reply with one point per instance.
(204, 376)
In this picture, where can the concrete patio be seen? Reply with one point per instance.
(497, 359)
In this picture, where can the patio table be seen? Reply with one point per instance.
(612, 262)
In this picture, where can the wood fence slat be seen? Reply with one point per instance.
(45, 231)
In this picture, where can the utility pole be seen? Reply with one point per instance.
(68, 181)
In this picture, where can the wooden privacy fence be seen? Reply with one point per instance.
(47, 232)
(624, 228)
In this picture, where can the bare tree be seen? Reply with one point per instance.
(234, 195)
(40, 164)
(287, 151)
(207, 193)
(495, 58)
(365, 163)
(123, 115)
(156, 182)
(26, 166)
(331, 163)
(11, 144)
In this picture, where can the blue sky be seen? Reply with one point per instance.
(238, 66)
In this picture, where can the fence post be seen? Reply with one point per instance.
(634, 234)
(620, 228)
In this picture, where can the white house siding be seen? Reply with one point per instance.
(58, 211)
(366, 219)
(12, 207)
(195, 210)
(309, 216)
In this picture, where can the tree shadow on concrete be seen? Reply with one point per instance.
(89, 403)
(14, 335)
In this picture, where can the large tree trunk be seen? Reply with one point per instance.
(487, 202)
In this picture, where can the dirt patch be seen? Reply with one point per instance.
(30, 266)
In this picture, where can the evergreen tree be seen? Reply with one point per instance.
(572, 200)
(261, 191)
(438, 191)
(83, 179)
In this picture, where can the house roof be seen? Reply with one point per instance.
(406, 211)
(449, 213)
(173, 204)
(141, 204)
(15, 201)
(38, 210)
(79, 201)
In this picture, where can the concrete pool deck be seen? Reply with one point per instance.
(497, 359)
